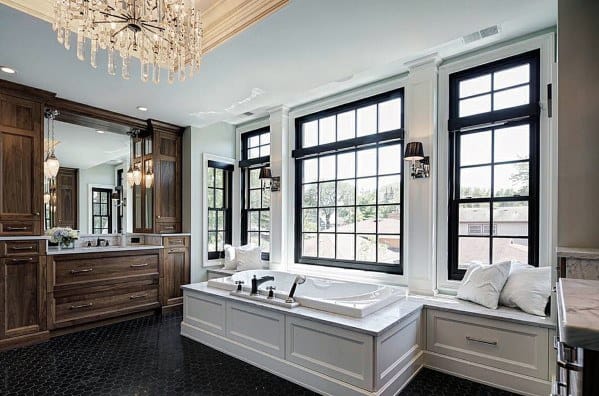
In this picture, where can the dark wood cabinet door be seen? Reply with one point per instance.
(176, 274)
(168, 179)
(21, 166)
(22, 296)
(66, 198)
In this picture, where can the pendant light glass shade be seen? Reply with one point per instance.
(149, 178)
(47, 198)
(46, 170)
(137, 176)
(53, 165)
(130, 179)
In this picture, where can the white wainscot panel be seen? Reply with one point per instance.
(205, 312)
(336, 352)
(257, 328)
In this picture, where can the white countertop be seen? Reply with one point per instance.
(24, 238)
(580, 253)
(179, 234)
(379, 321)
(578, 312)
(52, 251)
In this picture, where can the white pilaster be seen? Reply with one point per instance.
(420, 195)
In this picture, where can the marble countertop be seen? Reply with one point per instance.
(179, 234)
(379, 321)
(580, 253)
(578, 312)
(82, 250)
(24, 238)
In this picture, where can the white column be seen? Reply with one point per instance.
(420, 195)
(279, 165)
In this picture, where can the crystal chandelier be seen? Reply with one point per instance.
(161, 33)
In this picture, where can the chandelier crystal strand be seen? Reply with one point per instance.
(162, 34)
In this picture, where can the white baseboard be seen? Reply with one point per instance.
(497, 378)
(302, 376)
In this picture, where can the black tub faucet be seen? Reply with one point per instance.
(258, 282)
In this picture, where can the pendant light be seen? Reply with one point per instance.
(52, 164)
(149, 177)
(137, 175)
(130, 173)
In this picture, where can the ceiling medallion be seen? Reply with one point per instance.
(162, 34)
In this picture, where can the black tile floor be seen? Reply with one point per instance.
(147, 356)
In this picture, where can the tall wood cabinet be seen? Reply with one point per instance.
(176, 270)
(67, 185)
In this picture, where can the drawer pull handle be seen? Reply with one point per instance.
(22, 260)
(73, 272)
(494, 343)
(9, 228)
(169, 228)
(137, 296)
(139, 265)
(21, 248)
(81, 306)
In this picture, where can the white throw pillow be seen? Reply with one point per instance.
(248, 257)
(229, 263)
(527, 288)
(482, 284)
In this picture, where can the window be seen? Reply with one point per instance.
(101, 211)
(255, 200)
(349, 166)
(494, 162)
(219, 203)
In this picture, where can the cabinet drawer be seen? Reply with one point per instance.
(20, 248)
(9, 227)
(175, 241)
(165, 228)
(95, 306)
(508, 346)
(83, 270)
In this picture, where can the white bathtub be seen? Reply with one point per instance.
(340, 297)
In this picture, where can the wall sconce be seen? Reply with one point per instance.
(420, 164)
(116, 200)
(275, 182)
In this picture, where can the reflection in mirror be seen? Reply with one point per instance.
(92, 165)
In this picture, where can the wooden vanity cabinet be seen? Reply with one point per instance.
(22, 292)
(176, 271)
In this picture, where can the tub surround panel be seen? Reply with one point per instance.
(578, 311)
(262, 330)
(205, 312)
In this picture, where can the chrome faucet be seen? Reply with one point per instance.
(299, 279)
(258, 282)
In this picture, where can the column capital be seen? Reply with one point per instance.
(432, 60)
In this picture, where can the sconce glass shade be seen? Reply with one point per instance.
(137, 176)
(115, 198)
(47, 198)
(53, 165)
(149, 178)
(414, 152)
(130, 179)
(265, 173)
(46, 170)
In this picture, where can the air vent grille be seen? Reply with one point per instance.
(481, 34)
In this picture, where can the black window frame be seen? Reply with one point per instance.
(227, 208)
(108, 205)
(375, 140)
(247, 165)
(527, 114)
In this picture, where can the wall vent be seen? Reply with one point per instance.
(481, 34)
(248, 113)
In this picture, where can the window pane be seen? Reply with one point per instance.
(264, 150)
(511, 179)
(255, 199)
(366, 247)
(346, 192)
(309, 220)
(219, 178)
(390, 159)
(476, 105)
(390, 115)
(218, 198)
(366, 191)
(475, 148)
(265, 138)
(310, 134)
(346, 125)
(346, 165)
(309, 195)
(327, 167)
(511, 97)
(255, 178)
(265, 241)
(475, 182)
(264, 220)
(474, 219)
(253, 221)
(309, 245)
(389, 189)
(345, 247)
(326, 194)
(253, 153)
(220, 220)
(389, 248)
(326, 220)
(220, 240)
(367, 120)
(254, 141)
(512, 143)
(506, 249)
(212, 241)
(366, 162)
(254, 238)
(366, 219)
(473, 250)
(346, 218)
(211, 220)
(210, 197)
(96, 209)
(310, 171)
(210, 174)
(104, 197)
(95, 197)
(327, 130)
(326, 245)
(266, 199)
(475, 86)
(510, 218)
(389, 219)
(510, 77)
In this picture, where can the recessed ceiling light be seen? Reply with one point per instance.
(7, 69)
(99, 131)
(141, 108)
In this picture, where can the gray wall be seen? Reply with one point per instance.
(578, 120)
(217, 139)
